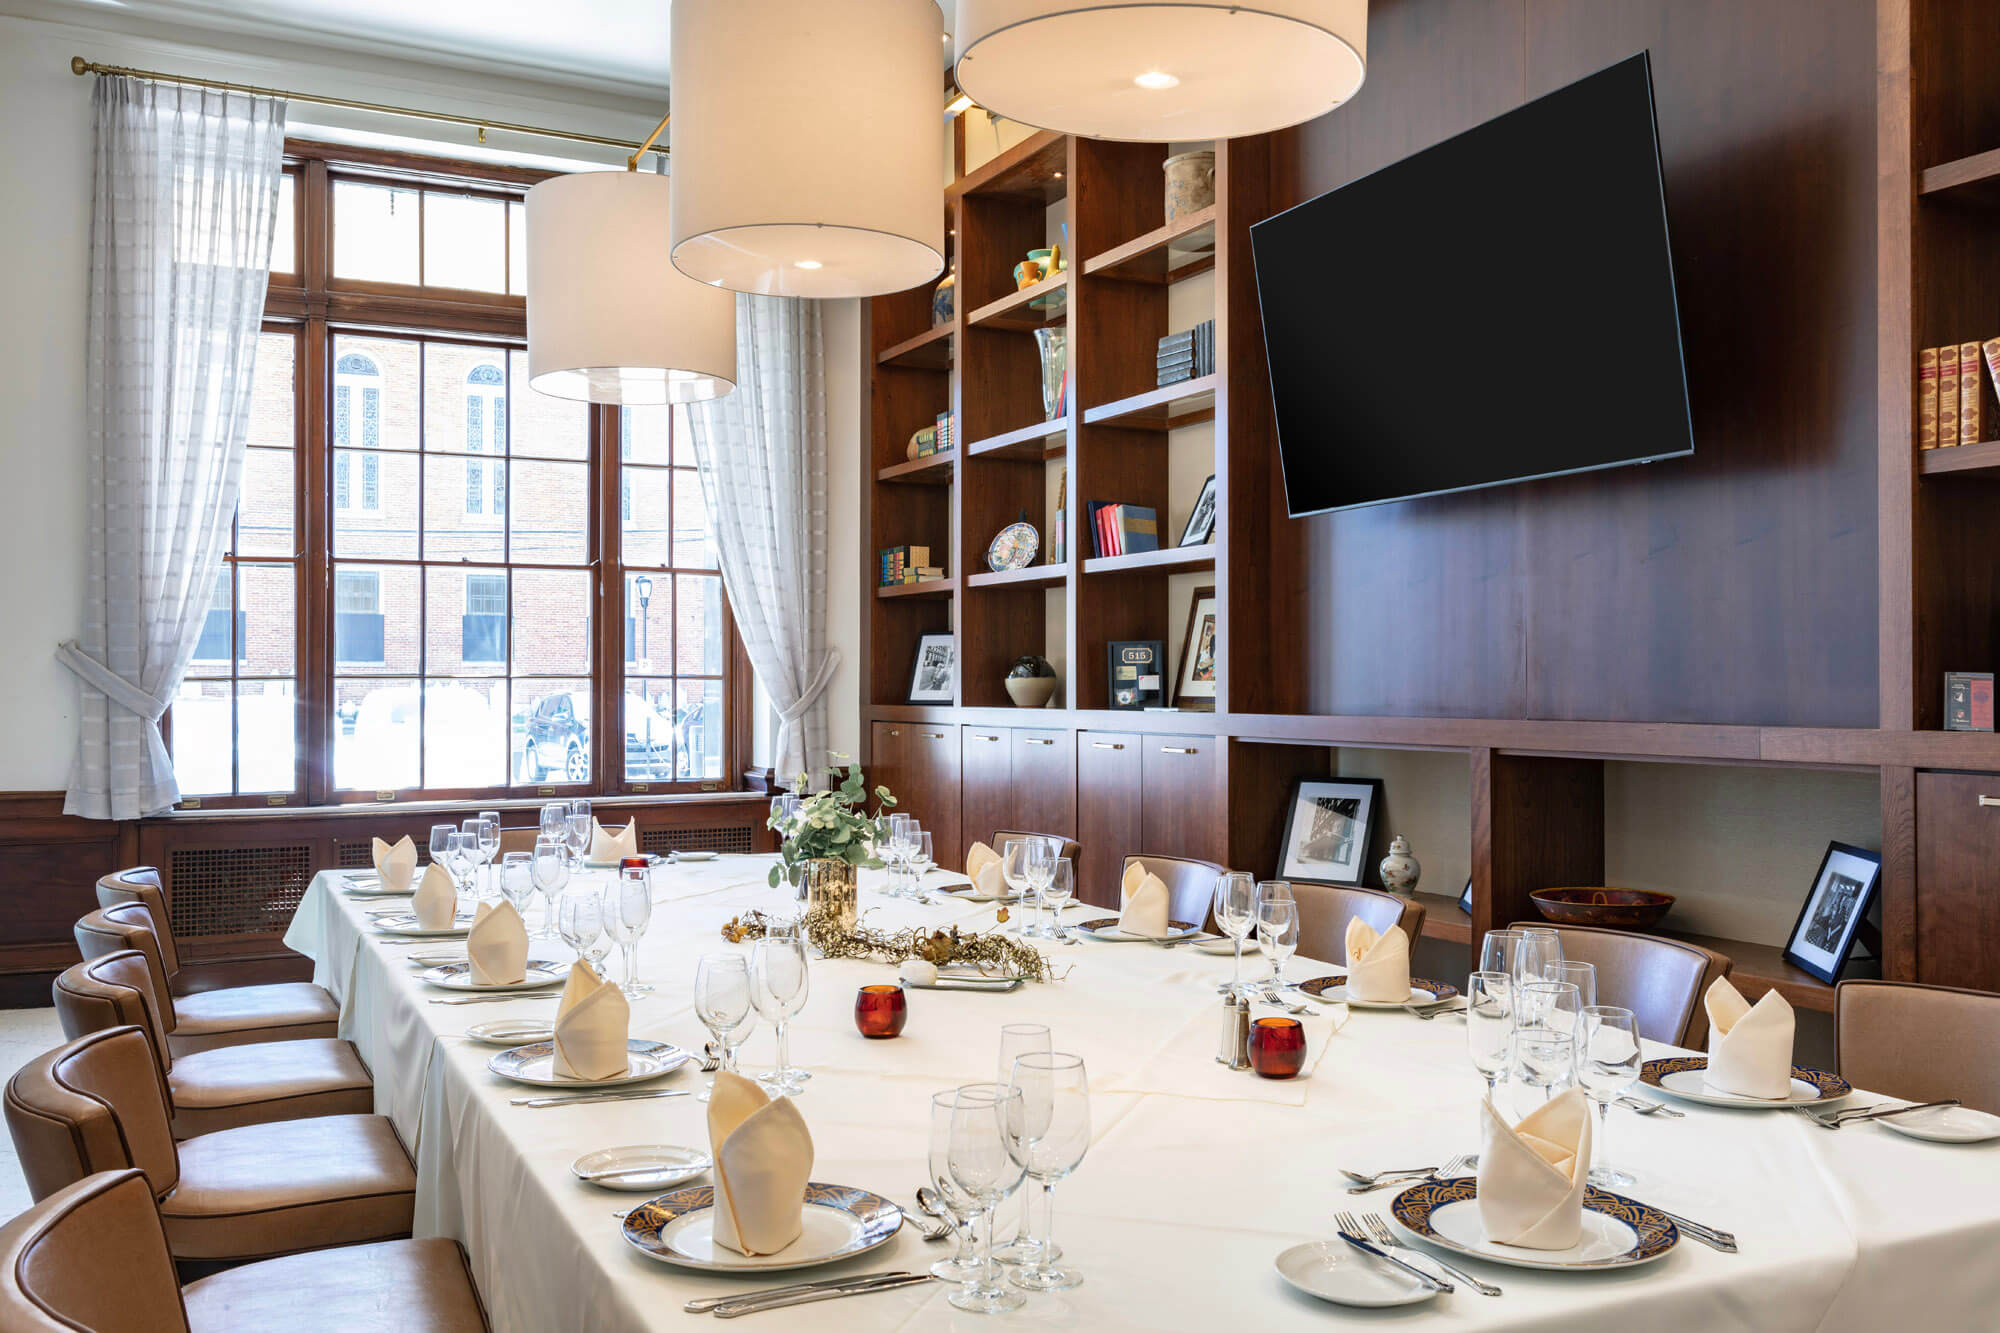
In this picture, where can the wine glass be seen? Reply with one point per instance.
(1061, 888)
(476, 840)
(965, 1264)
(580, 920)
(1607, 1065)
(1496, 951)
(441, 844)
(1539, 946)
(628, 910)
(1039, 865)
(550, 870)
(722, 1003)
(986, 1171)
(892, 852)
(1556, 1005)
(780, 982)
(461, 857)
(1278, 934)
(489, 833)
(517, 880)
(1236, 917)
(1583, 976)
(906, 854)
(555, 821)
(577, 824)
(1017, 1040)
(1541, 1063)
(1048, 1132)
(1489, 1027)
(1014, 867)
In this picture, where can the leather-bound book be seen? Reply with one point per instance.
(1947, 416)
(1927, 398)
(1970, 398)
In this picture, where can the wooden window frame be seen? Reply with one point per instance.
(316, 308)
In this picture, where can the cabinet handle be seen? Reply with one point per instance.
(1989, 800)
(932, 735)
(1105, 745)
(1040, 740)
(976, 736)
(895, 731)
(1178, 749)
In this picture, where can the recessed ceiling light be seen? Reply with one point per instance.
(805, 263)
(1156, 79)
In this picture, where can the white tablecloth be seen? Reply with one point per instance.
(1196, 1176)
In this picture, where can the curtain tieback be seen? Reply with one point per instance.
(109, 683)
(810, 695)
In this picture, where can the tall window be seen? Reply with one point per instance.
(458, 598)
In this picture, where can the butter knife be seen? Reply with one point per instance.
(1434, 1283)
(703, 1304)
(858, 1288)
(595, 1097)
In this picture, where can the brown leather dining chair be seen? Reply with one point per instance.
(1325, 910)
(1069, 849)
(1660, 980)
(232, 1016)
(229, 1085)
(93, 1256)
(1921, 1043)
(518, 840)
(1190, 884)
(97, 1104)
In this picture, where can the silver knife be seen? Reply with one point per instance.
(1434, 1283)
(594, 1097)
(1883, 1112)
(703, 1304)
(859, 1288)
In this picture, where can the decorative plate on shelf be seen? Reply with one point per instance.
(1014, 548)
(839, 1221)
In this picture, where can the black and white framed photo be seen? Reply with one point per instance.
(1465, 899)
(1823, 937)
(1328, 829)
(937, 663)
(1200, 529)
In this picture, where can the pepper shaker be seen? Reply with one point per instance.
(1235, 1048)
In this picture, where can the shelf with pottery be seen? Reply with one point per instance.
(929, 350)
(1030, 574)
(1040, 305)
(1166, 255)
(1444, 919)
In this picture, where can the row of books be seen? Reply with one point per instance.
(1122, 529)
(1951, 392)
(1187, 355)
(908, 564)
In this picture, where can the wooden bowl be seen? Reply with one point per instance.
(1621, 909)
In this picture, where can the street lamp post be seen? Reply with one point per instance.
(644, 587)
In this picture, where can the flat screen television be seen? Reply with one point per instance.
(1495, 308)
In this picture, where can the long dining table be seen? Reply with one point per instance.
(1197, 1176)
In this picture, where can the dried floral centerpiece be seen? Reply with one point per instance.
(992, 953)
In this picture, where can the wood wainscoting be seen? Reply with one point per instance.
(233, 878)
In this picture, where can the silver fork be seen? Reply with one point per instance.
(1388, 1178)
(929, 1227)
(1378, 1226)
(1838, 1119)
(710, 1061)
(1271, 996)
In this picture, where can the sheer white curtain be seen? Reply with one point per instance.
(762, 453)
(186, 199)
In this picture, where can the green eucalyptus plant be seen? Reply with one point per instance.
(832, 824)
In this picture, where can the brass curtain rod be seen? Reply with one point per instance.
(79, 66)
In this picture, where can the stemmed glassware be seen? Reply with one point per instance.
(1060, 889)
(893, 852)
(489, 833)
(555, 823)
(628, 909)
(1556, 1005)
(1542, 1064)
(580, 920)
(1608, 1064)
(461, 857)
(578, 824)
(1489, 1028)
(1017, 1040)
(441, 836)
(1038, 867)
(517, 881)
(1014, 868)
(984, 1169)
(1583, 976)
(1236, 917)
(1496, 951)
(474, 830)
(1278, 928)
(779, 985)
(722, 1002)
(1048, 1132)
(550, 871)
(965, 1265)
(920, 860)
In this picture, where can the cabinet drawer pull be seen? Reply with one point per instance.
(1040, 740)
(1989, 800)
(976, 736)
(932, 735)
(895, 731)
(1105, 745)
(1178, 749)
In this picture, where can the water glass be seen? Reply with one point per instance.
(1556, 1005)
(461, 858)
(722, 1003)
(1061, 888)
(779, 985)
(964, 1209)
(441, 844)
(1014, 866)
(476, 841)
(1583, 976)
(628, 910)
(489, 833)
(1489, 1024)
(555, 821)
(892, 851)
(1608, 1066)
(985, 1170)
(1496, 951)
(578, 827)
(921, 857)
(550, 870)
(1235, 916)
(1278, 934)
(1542, 1063)
(1038, 867)
(1539, 946)
(1048, 1132)
(580, 922)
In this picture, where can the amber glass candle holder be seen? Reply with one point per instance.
(1277, 1047)
(880, 1011)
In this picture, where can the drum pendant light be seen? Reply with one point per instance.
(610, 319)
(1161, 70)
(808, 150)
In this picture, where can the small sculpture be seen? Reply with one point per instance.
(1400, 870)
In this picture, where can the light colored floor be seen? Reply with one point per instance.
(24, 1034)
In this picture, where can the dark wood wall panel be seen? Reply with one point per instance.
(1735, 586)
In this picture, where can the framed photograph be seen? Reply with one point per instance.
(931, 677)
(1823, 937)
(1328, 830)
(1194, 689)
(1200, 528)
(1134, 668)
(1465, 899)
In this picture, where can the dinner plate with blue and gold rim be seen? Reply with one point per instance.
(458, 976)
(405, 923)
(839, 1221)
(1617, 1232)
(1333, 990)
(535, 1064)
(1682, 1076)
(1107, 929)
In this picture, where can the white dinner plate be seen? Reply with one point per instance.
(1683, 1076)
(1333, 990)
(376, 890)
(1227, 947)
(511, 1031)
(458, 976)
(534, 1064)
(839, 1221)
(405, 923)
(1946, 1124)
(1334, 1271)
(691, 856)
(648, 1166)
(1617, 1232)
(1107, 930)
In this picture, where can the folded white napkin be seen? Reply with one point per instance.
(396, 866)
(763, 1159)
(990, 881)
(1143, 903)
(497, 945)
(591, 1024)
(435, 904)
(1749, 1049)
(608, 846)
(978, 858)
(1532, 1175)
(1378, 966)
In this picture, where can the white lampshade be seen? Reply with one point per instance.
(807, 145)
(610, 319)
(1161, 70)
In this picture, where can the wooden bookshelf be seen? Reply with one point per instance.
(1044, 439)
(1167, 557)
(1163, 256)
(1171, 407)
(1038, 307)
(929, 350)
(932, 471)
(1961, 459)
(944, 587)
(1014, 578)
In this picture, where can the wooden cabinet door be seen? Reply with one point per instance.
(1958, 879)
(984, 803)
(1043, 776)
(1107, 810)
(1181, 809)
(930, 789)
(885, 766)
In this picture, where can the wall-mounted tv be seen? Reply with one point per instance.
(1495, 308)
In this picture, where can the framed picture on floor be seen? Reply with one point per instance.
(1328, 830)
(1194, 689)
(1823, 937)
(931, 678)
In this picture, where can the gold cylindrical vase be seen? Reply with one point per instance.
(830, 886)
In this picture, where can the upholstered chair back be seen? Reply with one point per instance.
(1190, 884)
(1067, 848)
(1921, 1043)
(113, 991)
(1660, 980)
(95, 1104)
(141, 884)
(125, 926)
(1325, 910)
(91, 1255)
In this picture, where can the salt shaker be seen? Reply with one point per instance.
(1235, 1049)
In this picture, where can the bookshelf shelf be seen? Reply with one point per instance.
(1012, 578)
(1444, 920)
(1974, 179)
(929, 350)
(1184, 404)
(1164, 256)
(1031, 171)
(1168, 558)
(936, 588)
(1978, 460)
(1017, 309)
(932, 471)
(1042, 440)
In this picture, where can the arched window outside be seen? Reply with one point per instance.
(485, 433)
(357, 424)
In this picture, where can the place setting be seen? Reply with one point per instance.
(589, 1054)
(1749, 1061)
(1143, 915)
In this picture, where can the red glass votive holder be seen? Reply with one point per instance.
(880, 1011)
(1277, 1047)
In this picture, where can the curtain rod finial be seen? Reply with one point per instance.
(78, 65)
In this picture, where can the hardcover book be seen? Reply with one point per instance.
(1927, 396)
(1947, 415)
(1969, 396)
(1138, 529)
(1968, 701)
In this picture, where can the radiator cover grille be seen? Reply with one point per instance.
(660, 841)
(237, 890)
